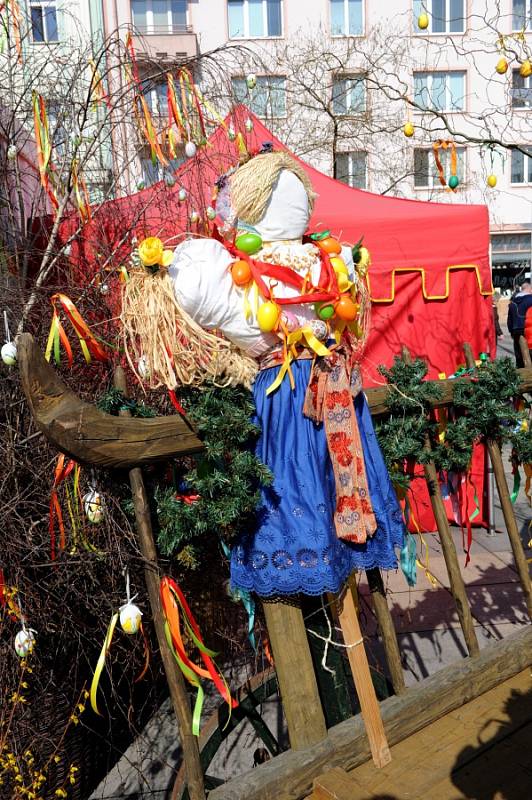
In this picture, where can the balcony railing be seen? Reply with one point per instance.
(161, 30)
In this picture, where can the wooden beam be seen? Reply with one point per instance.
(506, 505)
(174, 677)
(525, 352)
(295, 673)
(386, 629)
(290, 775)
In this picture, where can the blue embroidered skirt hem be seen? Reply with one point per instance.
(294, 547)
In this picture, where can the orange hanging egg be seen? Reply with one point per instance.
(241, 272)
(346, 309)
(330, 245)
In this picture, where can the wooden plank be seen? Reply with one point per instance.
(335, 784)
(358, 660)
(174, 676)
(525, 352)
(507, 507)
(290, 775)
(386, 629)
(295, 673)
(86, 434)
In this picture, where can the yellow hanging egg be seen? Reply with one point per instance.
(268, 316)
(408, 129)
(491, 181)
(502, 66)
(525, 70)
(423, 21)
(339, 266)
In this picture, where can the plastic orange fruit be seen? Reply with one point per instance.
(241, 272)
(346, 309)
(330, 245)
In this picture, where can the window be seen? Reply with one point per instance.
(155, 93)
(441, 91)
(348, 95)
(522, 15)
(57, 125)
(347, 17)
(250, 19)
(152, 173)
(44, 21)
(445, 16)
(351, 168)
(521, 166)
(268, 98)
(521, 90)
(159, 16)
(425, 170)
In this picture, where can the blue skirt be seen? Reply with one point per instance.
(294, 547)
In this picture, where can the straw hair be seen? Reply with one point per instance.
(175, 349)
(252, 184)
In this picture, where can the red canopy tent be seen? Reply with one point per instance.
(430, 278)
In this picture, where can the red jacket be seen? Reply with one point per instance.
(528, 328)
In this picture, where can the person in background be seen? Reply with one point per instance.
(496, 321)
(517, 311)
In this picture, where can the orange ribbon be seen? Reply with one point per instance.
(88, 343)
(444, 145)
(62, 471)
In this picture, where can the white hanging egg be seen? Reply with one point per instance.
(93, 506)
(251, 81)
(11, 152)
(104, 288)
(231, 133)
(190, 149)
(182, 195)
(9, 353)
(169, 181)
(194, 217)
(211, 213)
(248, 124)
(24, 642)
(130, 618)
(143, 368)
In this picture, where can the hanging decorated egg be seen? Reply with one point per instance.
(339, 266)
(9, 353)
(241, 272)
(346, 309)
(320, 329)
(141, 185)
(251, 81)
(423, 22)
(211, 213)
(143, 368)
(249, 243)
(190, 149)
(169, 181)
(130, 618)
(453, 182)
(325, 311)
(491, 180)
(194, 217)
(104, 288)
(502, 66)
(24, 642)
(182, 195)
(11, 152)
(408, 129)
(525, 70)
(330, 245)
(248, 125)
(93, 507)
(231, 134)
(268, 316)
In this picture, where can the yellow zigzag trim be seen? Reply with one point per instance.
(425, 294)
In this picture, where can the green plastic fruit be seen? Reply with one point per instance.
(324, 312)
(249, 243)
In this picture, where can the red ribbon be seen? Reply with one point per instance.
(62, 471)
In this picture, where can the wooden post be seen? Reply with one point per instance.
(525, 352)
(358, 660)
(387, 630)
(456, 582)
(176, 682)
(295, 673)
(506, 505)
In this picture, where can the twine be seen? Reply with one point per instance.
(261, 173)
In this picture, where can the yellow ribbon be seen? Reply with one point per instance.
(101, 661)
(306, 335)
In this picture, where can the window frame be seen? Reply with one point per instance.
(527, 84)
(249, 99)
(421, 6)
(447, 73)
(150, 29)
(528, 16)
(346, 20)
(359, 78)
(350, 154)
(42, 4)
(246, 34)
(524, 182)
(162, 171)
(434, 181)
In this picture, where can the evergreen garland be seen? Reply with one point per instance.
(114, 401)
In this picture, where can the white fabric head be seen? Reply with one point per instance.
(287, 213)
